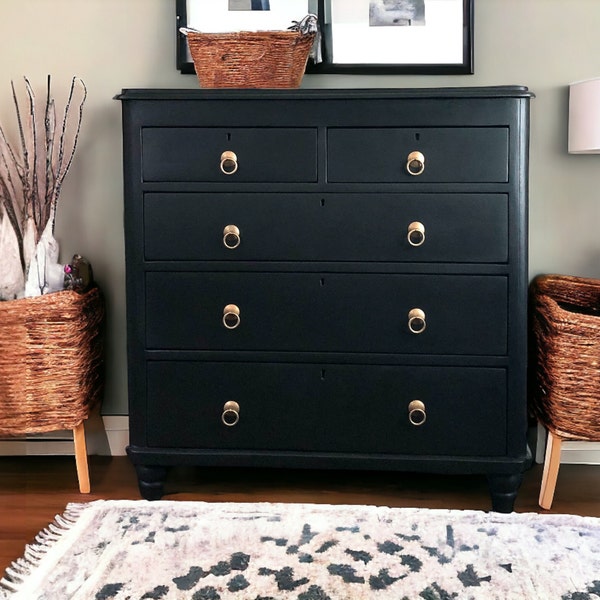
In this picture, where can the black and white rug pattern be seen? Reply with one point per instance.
(116, 550)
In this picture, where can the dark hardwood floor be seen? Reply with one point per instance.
(35, 489)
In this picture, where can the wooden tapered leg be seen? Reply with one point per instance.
(551, 466)
(81, 459)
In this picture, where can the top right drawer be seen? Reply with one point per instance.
(436, 154)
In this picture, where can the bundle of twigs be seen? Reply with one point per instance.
(32, 172)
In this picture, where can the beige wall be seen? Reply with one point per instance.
(115, 44)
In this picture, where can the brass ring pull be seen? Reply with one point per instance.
(416, 233)
(231, 413)
(229, 162)
(416, 321)
(231, 237)
(231, 316)
(416, 413)
(415, 163)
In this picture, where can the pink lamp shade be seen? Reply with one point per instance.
(584, 117)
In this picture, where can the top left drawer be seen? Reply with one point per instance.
(255, 154)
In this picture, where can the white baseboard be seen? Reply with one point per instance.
(105, 436)
(109, 436)
(580, 453)
(117, 433)
(572, 453)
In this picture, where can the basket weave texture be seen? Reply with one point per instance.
(247, 59)
(51, 361)
(565, 357)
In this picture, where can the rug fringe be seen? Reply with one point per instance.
(20, 569)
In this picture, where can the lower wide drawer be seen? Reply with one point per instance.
(329, 312)
(327, 408)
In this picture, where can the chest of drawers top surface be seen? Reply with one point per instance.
(294, 113)
(459, 93)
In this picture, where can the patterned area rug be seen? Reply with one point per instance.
(142, 550)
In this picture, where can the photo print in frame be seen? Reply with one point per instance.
(396, 37)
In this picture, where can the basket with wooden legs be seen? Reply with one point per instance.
(51, 366)
(564, 366)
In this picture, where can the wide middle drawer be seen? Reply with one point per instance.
(328, 312)
(326, 227)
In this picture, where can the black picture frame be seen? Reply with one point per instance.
(184, 61)
(463, 67)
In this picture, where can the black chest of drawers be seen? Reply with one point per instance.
(328, 279)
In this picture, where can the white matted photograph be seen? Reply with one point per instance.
(218, 16)
(397, 31)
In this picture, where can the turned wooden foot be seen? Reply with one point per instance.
(151, 480)
(503, 490)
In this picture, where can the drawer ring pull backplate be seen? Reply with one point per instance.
(231, 316)
(229, 162)
(416, 233)
(231, 413)
(231, 237)
(416, 321)
(415, 163)
(416, 413)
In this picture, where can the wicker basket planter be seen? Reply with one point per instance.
(564, 366)
(50, 361)
(565, 321)
(246, 59)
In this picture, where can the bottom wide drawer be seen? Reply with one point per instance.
(458, 411)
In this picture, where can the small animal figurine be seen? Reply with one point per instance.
(78, 274)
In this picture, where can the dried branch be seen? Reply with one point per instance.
(32, 141)
(49, 126)
(10, 175)
(11, 193)
(68, 139)
(24, 168)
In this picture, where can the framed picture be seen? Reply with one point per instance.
(432, 37)
(235, 15)
(396, 37)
